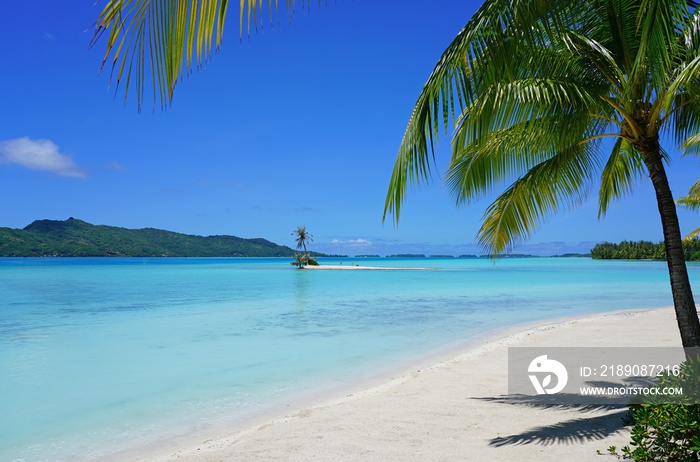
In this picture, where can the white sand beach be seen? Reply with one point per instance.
(362, 267)
(451, 409)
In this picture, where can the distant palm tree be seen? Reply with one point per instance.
(553, 96)
(302, 237)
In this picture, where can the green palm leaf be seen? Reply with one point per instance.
(692, 200)
(161, 41)
(624, 168)
(559, 182)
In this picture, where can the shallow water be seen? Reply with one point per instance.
(97, 355)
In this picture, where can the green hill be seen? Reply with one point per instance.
(77, 238)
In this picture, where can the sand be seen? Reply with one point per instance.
(361, 267)
(451, 409)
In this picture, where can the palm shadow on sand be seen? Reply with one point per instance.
(574, 431)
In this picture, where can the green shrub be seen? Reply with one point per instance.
(668, 432)
(312, 262)
(300, 259)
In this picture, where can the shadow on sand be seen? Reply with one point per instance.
(574, 431)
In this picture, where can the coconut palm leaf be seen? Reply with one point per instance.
(692, 235)
(557, 183)
(161, 41)
(692, 200)
(624, 168)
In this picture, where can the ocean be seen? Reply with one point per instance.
(99, 355)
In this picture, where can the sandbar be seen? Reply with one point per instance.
(363, 268)
(448, 409)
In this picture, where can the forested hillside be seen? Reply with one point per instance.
(77, 238)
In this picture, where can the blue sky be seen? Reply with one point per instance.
(298, 125)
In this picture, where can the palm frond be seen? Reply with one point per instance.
(681, 95)
(680, 102)
(692, 200)
(561, 181)
(479, 166)
(624, 168)
(617, 31)
(658, 28)
(692, 235)
(446, 84)
(691, 145)
(507, 65)
(485, 44)
(597, 55)
(161, 41)
(167, 37)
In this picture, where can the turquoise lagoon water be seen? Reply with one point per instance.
(99, 355)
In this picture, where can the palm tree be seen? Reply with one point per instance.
(550, 96)
(302, 237)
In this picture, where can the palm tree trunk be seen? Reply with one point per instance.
(683, 302)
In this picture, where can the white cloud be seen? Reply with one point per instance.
(359, 242)
(40, 155)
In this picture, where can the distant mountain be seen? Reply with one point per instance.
(77, 238)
